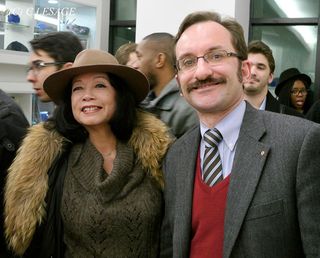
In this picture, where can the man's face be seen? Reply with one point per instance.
(210, 88)
(146, 61)
(38, 76)
(260, 76)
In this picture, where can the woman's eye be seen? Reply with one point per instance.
(100, 85)
(75, 88)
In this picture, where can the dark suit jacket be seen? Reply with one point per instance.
(273, 105)
(273, 202)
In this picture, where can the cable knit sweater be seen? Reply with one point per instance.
(104, 216)
(121, 212)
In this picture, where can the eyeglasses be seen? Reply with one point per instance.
(214, 57)
(36, 66)
(298, 91)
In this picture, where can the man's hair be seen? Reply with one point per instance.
(122, 123)
(230, 24)
(259, 47)
(163, 42)
(62, 46)
(123, 52)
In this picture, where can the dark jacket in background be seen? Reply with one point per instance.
(172, 109)
(10, 138)
(314, 112)
(11, 112)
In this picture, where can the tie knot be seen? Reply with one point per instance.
(212, 137)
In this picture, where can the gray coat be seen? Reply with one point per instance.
(172, 109)
(273, 202)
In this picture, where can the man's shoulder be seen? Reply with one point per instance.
(286, 124)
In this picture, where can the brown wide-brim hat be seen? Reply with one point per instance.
(292, 74)
(94, 60)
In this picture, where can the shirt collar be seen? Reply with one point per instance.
(229, 126)
(263, 104)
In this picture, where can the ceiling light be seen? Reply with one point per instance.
(52, 1)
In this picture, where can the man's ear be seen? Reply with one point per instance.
(160, 60)
(246, 70)
(67, 65)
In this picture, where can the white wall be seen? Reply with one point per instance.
(166, 15)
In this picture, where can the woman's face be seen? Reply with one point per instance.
(298, 95)
(93, 100)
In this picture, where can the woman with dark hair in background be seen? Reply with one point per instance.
(87, 183)
(293, 90)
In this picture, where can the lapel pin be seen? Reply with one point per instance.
(262, 153)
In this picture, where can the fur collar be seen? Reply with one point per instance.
(27, 181)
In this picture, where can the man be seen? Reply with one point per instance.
(249, 186)
(256, 91)
(50, 53)
(156, 60)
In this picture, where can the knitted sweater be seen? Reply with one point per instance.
(116, 215)
(27, 182)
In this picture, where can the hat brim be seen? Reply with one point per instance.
(56, 84)
(301, 76)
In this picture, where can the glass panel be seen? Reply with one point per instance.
(22, 20)
(125, 10)
(292, 46)
(285, 8)
(121, 35)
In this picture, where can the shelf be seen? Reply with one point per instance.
(15, 25)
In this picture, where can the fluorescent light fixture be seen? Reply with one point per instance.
(292, 10)
(46, 19)
(52, 1)
(307, 34)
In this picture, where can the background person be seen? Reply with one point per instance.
(50, 53)
(244, 183)
(156, 60)
(126, 54)
(11, 135)
(293, 90)
(97, 191)
(256, 89)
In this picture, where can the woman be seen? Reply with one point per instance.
(87, 183)
(293, 90)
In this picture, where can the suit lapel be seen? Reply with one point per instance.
(186, 170)
(248, 163)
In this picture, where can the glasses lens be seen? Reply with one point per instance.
(187, 63)
(297, 92)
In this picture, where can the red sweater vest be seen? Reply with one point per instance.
(208, 211)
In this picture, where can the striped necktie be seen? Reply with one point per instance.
(212, 166)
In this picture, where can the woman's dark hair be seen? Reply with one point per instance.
(122, 123)
(285, 96)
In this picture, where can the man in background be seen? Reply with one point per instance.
(50, 53)
(262, 66)
(156, 60)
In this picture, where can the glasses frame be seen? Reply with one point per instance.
(36, 66)
(303, 92)
(205, 58)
